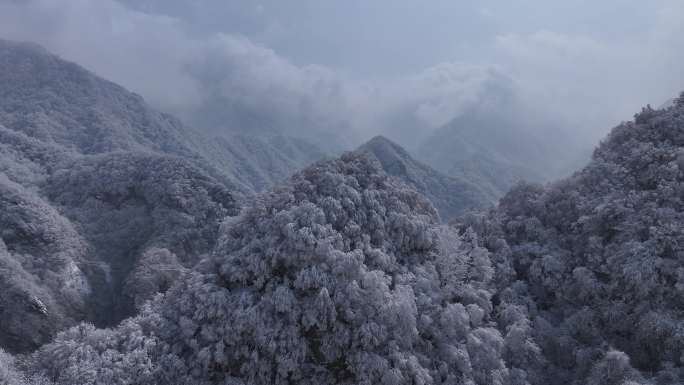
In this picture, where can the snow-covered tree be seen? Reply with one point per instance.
(599, 256)
(341, 276)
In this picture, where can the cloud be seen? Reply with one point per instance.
(228, 81)
(247, 77)
(594, 81)
(182, 62)
(445, 91)
(141, 51)
(154, 55)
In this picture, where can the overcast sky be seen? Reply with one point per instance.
(353, 63)
(379, 38)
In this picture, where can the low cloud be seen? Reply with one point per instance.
(597, 82)
(228, 82)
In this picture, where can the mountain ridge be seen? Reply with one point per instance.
(451, 196)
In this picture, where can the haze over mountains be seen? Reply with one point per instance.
(88, 167)
(94, 181)
(497, 145)
(451, 196)
(135, 249)
(99, 187)
(65, 106)
(241, 74)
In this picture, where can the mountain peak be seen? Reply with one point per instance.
(26, 46)
(382, 143)
(380, 139)
(451, 196)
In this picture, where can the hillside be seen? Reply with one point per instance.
(61, 104)
(92, 181)
(340, 276)
(450, 196)
(598, 258)
(105, 194)
(343, 276)
(259, 162)
(133, 251)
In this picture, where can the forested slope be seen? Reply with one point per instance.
(598, 258)
(451, 196)
(92, 181)
(105, 200)
(342, 274)
(60, 104)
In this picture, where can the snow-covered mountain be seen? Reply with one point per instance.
(597, 260)
(98, 187)
(92, 180)
(495, 146)
(121, 197)
(451, 196)
(63, 105)
(119, 216)
(343, 275)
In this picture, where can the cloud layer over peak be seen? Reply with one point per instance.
(357, 69)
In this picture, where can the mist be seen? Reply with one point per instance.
(357, 69)
(341, 192)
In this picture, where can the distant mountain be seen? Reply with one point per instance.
(496, 146)
(62, 104)
(259, 162)
(451, 196)
(219, 115)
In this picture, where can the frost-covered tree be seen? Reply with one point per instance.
(90, 179)
(680, 101)
(84, 154)
(145, 202)
(597, 258)
(341, 276)
(10, 374)
(155, 272)
(335, 278)
(42, 288)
